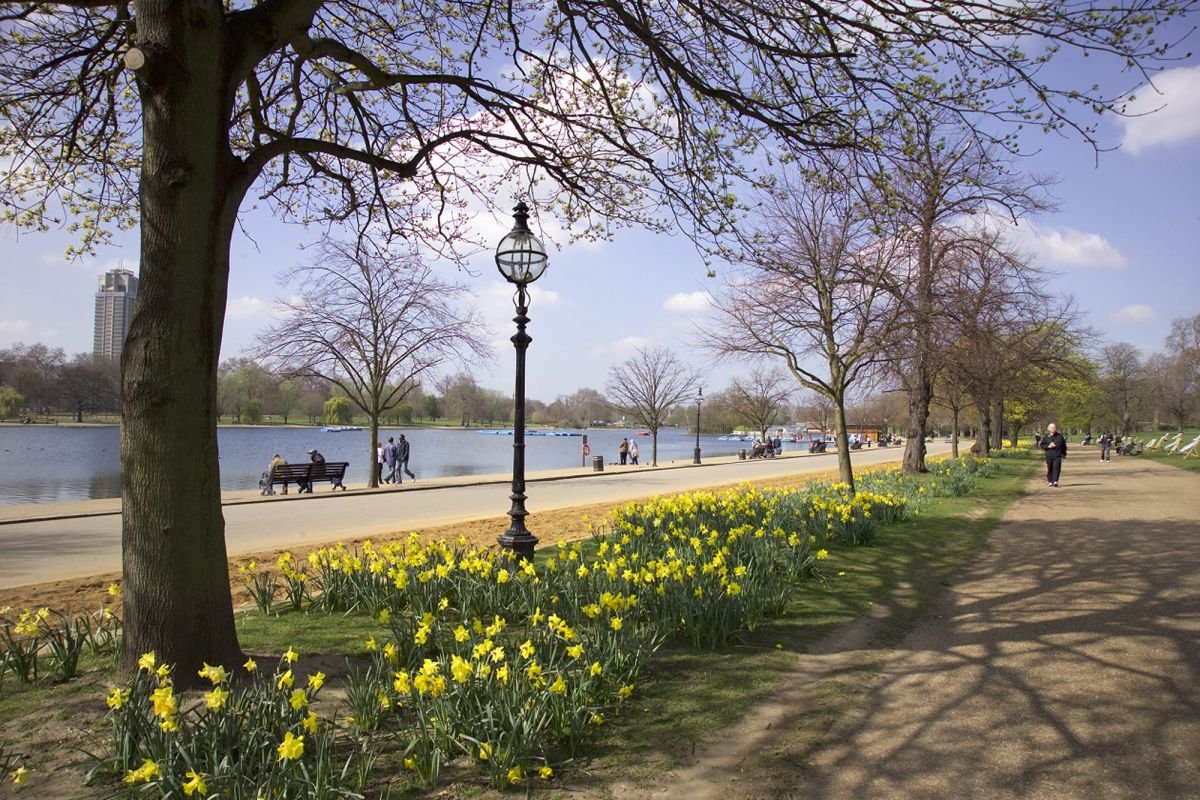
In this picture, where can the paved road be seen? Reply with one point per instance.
(85, 544)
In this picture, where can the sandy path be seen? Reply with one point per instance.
(1064, 664)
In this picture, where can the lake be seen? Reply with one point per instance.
(48, 464)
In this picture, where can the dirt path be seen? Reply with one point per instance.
(1064, 664)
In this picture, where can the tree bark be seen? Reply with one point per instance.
(373, 481)
(845, 467)
(983, 435)
(920, 395)
(176, 583)
(998, 427)
(954, 433)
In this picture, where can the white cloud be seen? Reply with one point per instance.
(688, 302)
(1134, 314)
(1164, 114)
(622, 347)
(245, 308)
(1066, 246)
(14, 325)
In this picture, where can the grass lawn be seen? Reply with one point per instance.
(684, 700)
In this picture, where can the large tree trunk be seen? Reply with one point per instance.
(845, 467)
(373, 481)
(983, 435)
(954, 433)
(998, 425)
(176, 583)
(920, 394)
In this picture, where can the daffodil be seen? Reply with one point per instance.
(216, 699)
(545, 773)
(516, 774)
(485, 751)
(250, 666)
(310, 722)
(215, 674)
(291, 748)
(146, 661)
(194, 784)
(117, 698)
(290, 656)
(19, 776)
(147, 772)
(298, 700)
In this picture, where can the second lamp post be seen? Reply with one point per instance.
(521, 259)
(699, 397)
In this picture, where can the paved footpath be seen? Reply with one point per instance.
(1065, 664)
(40, 543)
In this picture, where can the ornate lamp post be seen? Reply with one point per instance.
(521, 259)
(699, 398)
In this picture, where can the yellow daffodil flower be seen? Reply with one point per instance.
(291, 748)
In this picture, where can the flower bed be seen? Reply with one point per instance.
(513, 666)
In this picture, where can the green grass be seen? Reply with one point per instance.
(315, 633)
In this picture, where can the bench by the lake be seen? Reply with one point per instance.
(306, 474)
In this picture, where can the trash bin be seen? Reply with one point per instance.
(597, 463)
(741, 455)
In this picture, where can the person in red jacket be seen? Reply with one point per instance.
(1055, 446)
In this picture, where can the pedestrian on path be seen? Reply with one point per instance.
(403, 449)
(633, 453)
(1106, 443)
(1055, 445)
(623, 450)
(389, 459)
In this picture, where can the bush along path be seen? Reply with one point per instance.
(500, 671)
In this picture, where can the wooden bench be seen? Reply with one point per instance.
(307, 474)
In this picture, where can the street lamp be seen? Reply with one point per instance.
(521, 259)
(699, 397)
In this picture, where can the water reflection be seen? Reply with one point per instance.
(45, 464)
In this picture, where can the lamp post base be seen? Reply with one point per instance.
(696, 456)
(521, 543)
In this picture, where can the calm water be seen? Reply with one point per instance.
(44, 464)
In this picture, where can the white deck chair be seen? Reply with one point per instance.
(1174, 445)
(1191, 449)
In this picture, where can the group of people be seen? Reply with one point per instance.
(628, 451)
(302, 485)
(394, 457)
(766, 447)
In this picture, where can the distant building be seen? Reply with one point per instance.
(114, 309)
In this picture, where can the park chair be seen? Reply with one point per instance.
(1191, 449)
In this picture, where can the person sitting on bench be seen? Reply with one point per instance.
(317, 458)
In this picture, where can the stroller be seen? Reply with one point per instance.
(264, 484)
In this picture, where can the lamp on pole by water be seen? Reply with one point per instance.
(521, 259)
(699, 398)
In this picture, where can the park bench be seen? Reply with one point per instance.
(301, 474)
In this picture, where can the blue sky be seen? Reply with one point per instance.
(1125, 243)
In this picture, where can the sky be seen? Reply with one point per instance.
(1125, 242)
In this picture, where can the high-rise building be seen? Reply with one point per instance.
(114, 310)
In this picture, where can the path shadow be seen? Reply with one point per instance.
(1065, 663)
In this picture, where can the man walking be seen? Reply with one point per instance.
(402, 452)
(389, 458)
(623, 450)
(1055, 445)
(1106, 443)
